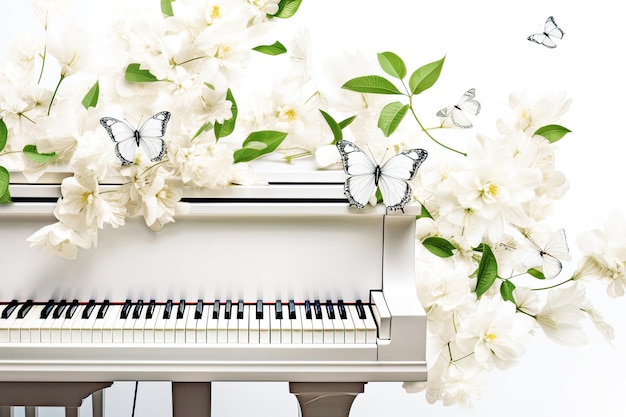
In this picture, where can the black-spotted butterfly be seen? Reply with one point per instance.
(549, 257)
(456, 113)
(391, 177)
(550, 32)
(128, 139)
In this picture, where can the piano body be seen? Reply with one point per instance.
(282, 282)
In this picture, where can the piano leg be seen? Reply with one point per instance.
(5, 412)
(191, 399)
(97, 403)
(30, 412)
(326, 399)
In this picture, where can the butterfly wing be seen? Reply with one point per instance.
(361, 184)
(551, 266)
(124, 137)
(552, 30)
(151, 136)
(394, 175)
(456, 114)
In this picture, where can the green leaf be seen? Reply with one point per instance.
(424, 214)
(535, 273)
(134, 74)
(30, 151)
(4, 135)
(439, 246)
(224, 129)
(487, 271)
(204, 128)
(334, 126)
(506, 291)
(374, 84)
(91, 98)
(5, 197)
(166, 7)
(276, 48)
(390, 117)
(346, 122)
(287, 8)
(379, 196)
(392, 64)
(552, 133)
(425, 76)
(259, 143)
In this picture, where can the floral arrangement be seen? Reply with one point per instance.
(489, 264)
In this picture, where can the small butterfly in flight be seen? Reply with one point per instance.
(456, 113)
(391, 177)
(549, 257)
(550, 32)
(149, 137)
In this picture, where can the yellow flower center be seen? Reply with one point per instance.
(215, 12)
(491, 337)
(86, 197)
(291, 115)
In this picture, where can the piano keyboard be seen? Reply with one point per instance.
(181, 322)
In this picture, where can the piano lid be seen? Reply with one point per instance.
(278, 181)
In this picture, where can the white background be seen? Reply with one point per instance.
(486, 48)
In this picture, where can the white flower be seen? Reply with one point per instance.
(560, 318)
(59, 239)
(265, 6)
(495, 332)
(72, 47)
(605, 329)
(604, 255)
(158, 200)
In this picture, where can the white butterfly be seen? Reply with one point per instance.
(128, 139)
(391, 178)
(456, 113)
(550, 32)
(549, 257)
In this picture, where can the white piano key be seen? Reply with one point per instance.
(169, 330)
(275, 325)
(329, 328)
(5, 327)
(149, 326)
(285, 327)
(349, 327)
(318, 329)
(307, 326)
(222, 327)
(265, 325)
(181, 325)
(243, 326)
(201, 325)
(191, 325)
(29, 330)
(360, 331)
(108, 323)
(15, 332)
(370, 326)
(117, 330)
(88, 327)
(296, 327)
(128, 329)
(69, 325)
(211, 325)
(338, 327)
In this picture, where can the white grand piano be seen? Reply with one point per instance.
(283, 282)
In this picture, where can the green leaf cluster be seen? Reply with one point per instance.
(91, 98)
(30, 152)
(5, 196)
(228, 126)
(336, 127)
(258, 144)
(287, 8)
(487, 270)
(420, 80)
(134, 74)
(166, 7)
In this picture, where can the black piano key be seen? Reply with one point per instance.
(150, 309)
(259, 310)
(317, 307)
(216, 310)
(91, 304)
(307, 309)
(342, 310)
(180, 313)
(47, 309)
(360, 310)
(8, 310)
(58, 311)
(279, 310)
(125, 309)
(71, 309)
(24, 309)
(137, 309)
(167, 312)
(102, 311)
(292, 309)
(240, 308)
(199, 307)
(228, 309)
(330, 310)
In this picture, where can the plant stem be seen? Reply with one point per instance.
(55, 93)
(553, 286)
(426, 130)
